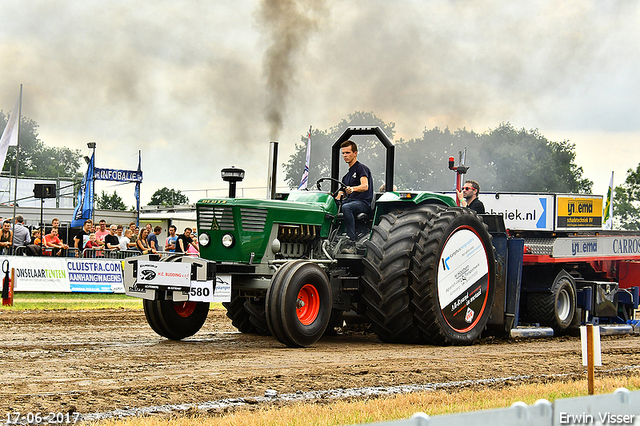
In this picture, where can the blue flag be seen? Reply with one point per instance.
(137, 189)
(84, 207)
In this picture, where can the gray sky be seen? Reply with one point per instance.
(198, 86)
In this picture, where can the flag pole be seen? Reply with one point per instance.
(15, 189)
(305, 175)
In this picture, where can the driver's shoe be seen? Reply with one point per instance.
(350, 248)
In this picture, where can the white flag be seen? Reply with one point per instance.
(606, 214)
(305, 175)
(10, 134)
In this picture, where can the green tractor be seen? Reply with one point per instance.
(425, 271)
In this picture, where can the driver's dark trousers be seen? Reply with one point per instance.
(351, 210)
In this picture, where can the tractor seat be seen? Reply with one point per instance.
(362, 217)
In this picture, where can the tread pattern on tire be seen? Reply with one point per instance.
(257, 316)
(386, 277)
(541, 306)
(237, 313)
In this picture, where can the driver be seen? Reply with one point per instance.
(359, 192)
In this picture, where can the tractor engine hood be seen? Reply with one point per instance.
(246, 224)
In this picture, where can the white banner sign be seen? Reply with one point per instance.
(66, 274)
(176, 274)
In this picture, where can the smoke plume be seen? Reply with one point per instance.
(288, 24)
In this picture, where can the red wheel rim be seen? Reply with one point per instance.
(308, 304)
(184, 309)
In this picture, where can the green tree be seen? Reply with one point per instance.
(37, 159)
(369, 150)
(110, 202)
(524, 160)
(501, 159)
(626, 202)
(168, 197)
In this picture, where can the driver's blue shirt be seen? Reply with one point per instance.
(352, 178)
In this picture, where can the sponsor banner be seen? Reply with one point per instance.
(101, 276)
(463, 279)
(223, 289)
(578, 212)
(520, 211)
(172, 274)
(66, 274)
(603, 246)
(526, 212)
(118, 175)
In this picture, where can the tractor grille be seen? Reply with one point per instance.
(210, 216)
(253, 220)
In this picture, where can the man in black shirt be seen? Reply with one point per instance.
(469, 196)
(111, 240)
(183, 241)
(359, 192)
(82, 237)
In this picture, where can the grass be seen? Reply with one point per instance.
(75, 301)
(71, 301)
(433, 403)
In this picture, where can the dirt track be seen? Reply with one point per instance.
(97, 361)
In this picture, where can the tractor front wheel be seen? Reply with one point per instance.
(175, 320)
(298, 303)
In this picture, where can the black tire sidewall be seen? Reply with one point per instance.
(564, 282)
(297, 333)
(460, 321)
(177, 326)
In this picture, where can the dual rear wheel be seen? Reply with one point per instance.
(429, 276)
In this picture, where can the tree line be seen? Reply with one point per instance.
(501, 159)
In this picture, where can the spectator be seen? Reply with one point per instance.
(55, 223)
(35, 248)
(142, 243)
(92, 244)
(6, 237)
(125, 242)
(81, 239)
(35, 237)
(111, 240)
(170, 243)
(152, 239)
(102, 232)
(20, 233)
(52, 241)
(184, 240)
(119, 230)
(194, 248)
(134, 234)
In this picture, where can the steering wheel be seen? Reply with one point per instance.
(342, 187)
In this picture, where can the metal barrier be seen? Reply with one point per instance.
(621, 407)
(102, 253)
(46, 251)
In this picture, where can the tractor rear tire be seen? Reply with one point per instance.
(257, 316)
(453, 277)
(237, 313)
(387, 279)
(298, 303)
(176, 320)
(556, 308)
